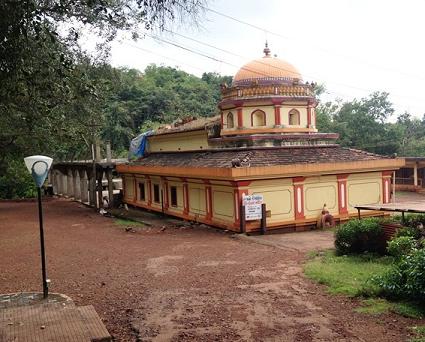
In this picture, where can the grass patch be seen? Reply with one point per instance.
(409, 309)
(128, 223)
(420, 334)
(374, 306)
(347, 275)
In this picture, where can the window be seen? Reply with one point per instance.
(258, 118)
(294, 117)
(230, 121)
(142, 195)
(156, 193)
(173, 194)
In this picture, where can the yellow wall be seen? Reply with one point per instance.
(179, 188)
(278, 196)
(246, 114)
(156, 180)
(235, 118)
(197, 200)
(364, 189)
(284, 115)
(129, 187)
(141, 179)
(319, 191)
(184, 141)
(223, 203)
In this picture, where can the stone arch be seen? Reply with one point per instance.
(258, 118)
(294, 117)
(230, 121)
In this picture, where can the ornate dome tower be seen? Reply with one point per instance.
(268, 96)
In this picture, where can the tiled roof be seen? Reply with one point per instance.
(258, 157)
(192, 125)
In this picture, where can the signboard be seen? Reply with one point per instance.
(252, 205)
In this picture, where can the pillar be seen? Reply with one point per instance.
(149, 190)
(386, 179)
(298, 183)
(110, 186)
(165, 197)
(239, 190)
(415, 174)
(92, 188)
(76, 185)
(185, 197)
(342, 194)
(99, 188)
(64, 184)
(84, 189)
(54, 181)
(208, 201)
(240, 117)
(277, 115)
(69, 184)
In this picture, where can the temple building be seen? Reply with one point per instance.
(264, 141)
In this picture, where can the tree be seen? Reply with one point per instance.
(51, 93)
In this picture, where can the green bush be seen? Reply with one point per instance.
(413, 232)
(401, 246)
(406, 279)
(411, 220)
(359, 236)
(15, 180)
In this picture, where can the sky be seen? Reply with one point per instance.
(353, 47)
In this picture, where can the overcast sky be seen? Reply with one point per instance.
(354, 47)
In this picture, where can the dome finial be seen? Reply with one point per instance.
(266, 50)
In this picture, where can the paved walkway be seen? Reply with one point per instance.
(27, 317)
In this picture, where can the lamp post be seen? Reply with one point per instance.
(39, 167)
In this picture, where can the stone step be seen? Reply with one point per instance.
(94, 324)
(52, 322)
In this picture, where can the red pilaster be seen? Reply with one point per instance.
(149, 184)
(134, 189)
(386, 184)
(240, 117)
(222, 120)
(185, 198)
(165, 193)
(277, 115)
(299, 197)
(208, 202)
(342, 194)
(308, 116)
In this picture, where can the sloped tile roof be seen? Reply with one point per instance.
(258, 157)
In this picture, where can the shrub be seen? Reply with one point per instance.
(406, 279)
(401, 246)
(359, 236)
(413, 232)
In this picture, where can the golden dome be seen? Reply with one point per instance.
(268, 69)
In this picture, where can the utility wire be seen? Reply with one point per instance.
(191, 50)
(316, 47)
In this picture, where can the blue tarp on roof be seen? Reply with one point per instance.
(138, 145)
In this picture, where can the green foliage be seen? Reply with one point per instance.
(359, 236)
(401, 246)
(16, 181)
(347, 275)
(406, 279)
(413, 232)
(420, 334)
(374, 306)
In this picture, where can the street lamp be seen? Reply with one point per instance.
(39, 167)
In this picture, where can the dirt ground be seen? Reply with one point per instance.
(178, 284)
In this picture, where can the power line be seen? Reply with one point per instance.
(316, 47)
(202, 54)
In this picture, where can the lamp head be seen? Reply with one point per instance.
(39, 167)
